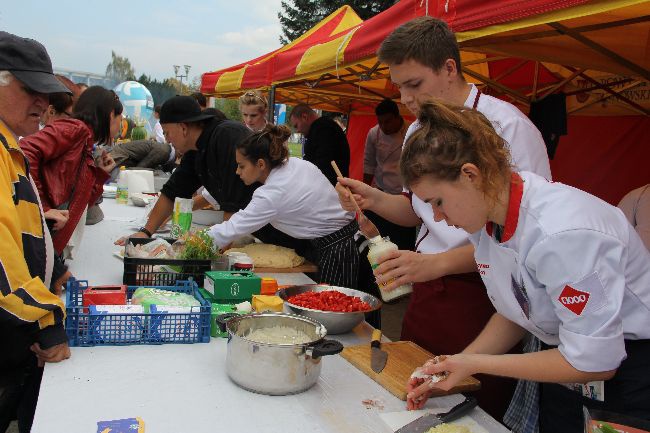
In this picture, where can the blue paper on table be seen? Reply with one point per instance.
(127, 425)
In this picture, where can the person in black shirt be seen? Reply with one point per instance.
(208, 143)
(324, 141)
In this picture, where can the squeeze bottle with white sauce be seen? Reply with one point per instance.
(379, 247)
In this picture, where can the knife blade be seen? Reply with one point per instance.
(431, 420)
(378, 357)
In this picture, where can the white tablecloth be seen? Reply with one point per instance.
(178, 388)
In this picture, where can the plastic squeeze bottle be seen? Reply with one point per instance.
(122, 194)
(378, 247)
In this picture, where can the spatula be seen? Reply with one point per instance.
(366, 227)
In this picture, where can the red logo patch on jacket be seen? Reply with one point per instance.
(574, 300)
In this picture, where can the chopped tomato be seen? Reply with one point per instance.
(329, 300)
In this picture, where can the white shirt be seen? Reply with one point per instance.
(159, 135)
(528, 154)
(579, 263)
(296, 199)
(381, 158)
(636, 207)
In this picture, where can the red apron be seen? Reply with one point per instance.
(444, 316)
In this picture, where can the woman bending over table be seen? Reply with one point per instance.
(556, 262)
(297, 199)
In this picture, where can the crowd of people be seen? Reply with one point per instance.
(536, 287)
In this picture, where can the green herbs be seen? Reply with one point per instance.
(199, 245)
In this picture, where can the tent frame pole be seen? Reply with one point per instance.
(270, 112)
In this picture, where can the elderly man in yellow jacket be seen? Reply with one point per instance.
(31, 317)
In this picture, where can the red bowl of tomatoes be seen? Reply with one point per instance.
(339, 309)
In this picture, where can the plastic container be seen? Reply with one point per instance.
(161, 272)
(379, 247)
(181, 217)
(243, 263)
(269, 286)
(110, 329)
(122, 194)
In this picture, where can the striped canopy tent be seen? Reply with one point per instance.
(595, 51)
(258, 73)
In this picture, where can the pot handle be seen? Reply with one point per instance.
(222, 319)
(324, 348)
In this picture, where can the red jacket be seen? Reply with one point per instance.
(55, 154)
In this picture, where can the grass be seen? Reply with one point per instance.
(295, 149)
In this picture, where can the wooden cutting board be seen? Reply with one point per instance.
(403, 358)
(306, 267)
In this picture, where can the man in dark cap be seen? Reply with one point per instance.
(208, 145)
(31, 317)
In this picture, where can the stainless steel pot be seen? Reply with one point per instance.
(275, 369)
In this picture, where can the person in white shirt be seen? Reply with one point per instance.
(424, 61)
(297, 199)
(158, 133)
(556, 262)
(381, 167)
(636, 207)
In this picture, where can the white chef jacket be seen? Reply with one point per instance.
(575, 265)
(296, 199)
(528, 152)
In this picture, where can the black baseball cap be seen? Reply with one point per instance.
(28, 61)
(182, 109)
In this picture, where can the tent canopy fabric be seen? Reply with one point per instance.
(574, 46)
(257, 72)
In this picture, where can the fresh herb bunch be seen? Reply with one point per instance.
(199, 245)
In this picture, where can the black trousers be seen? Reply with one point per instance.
(627, 393)
(19, 395)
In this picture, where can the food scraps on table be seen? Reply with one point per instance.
(449, 428)
(329, 300)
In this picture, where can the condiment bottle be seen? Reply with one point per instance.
(122, 193)
(379, 247)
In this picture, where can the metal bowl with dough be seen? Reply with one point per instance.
(334, 322)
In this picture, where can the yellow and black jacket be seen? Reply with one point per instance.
(27, 308)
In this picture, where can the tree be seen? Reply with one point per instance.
(120, 68)
(229, 107)
(298, 16)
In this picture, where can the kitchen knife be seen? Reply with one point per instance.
(378, 357)
(431, 420)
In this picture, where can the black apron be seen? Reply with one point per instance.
(627, 393)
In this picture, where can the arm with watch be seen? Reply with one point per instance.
(159, 214)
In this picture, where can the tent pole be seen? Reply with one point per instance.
(270, 113)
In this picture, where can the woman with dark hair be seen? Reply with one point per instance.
(297, 199)
(61, 105)
(557, 263)
(61, 159)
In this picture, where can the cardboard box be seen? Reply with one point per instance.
(230, 287)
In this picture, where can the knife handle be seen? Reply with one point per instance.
(375, 340)
(459, 410)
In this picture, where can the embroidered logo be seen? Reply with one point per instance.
(574, 300)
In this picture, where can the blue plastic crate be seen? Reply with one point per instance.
(116, 329)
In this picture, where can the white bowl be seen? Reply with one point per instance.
(207, 217)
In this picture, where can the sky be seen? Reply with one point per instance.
(154, 35)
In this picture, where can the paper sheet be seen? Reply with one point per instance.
(396, 420)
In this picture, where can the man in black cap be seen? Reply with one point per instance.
(31, 318)
(208, 145)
